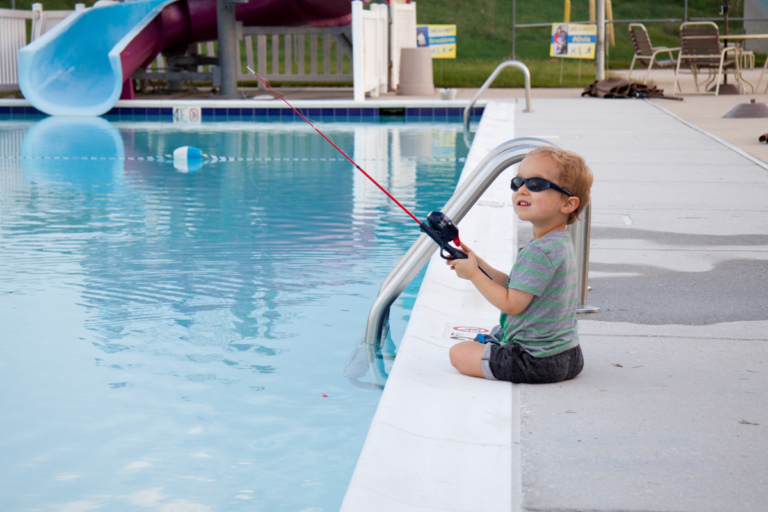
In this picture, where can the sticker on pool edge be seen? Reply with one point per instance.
(463, 332)
(187, 115)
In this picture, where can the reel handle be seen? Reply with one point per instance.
(443, 231)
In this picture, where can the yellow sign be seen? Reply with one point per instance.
(573, 41)
(441, 39)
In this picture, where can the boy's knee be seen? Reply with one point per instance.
(453, 354)
(466, 357)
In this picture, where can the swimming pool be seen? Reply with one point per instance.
(178, 340)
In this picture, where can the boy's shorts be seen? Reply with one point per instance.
(512, 363)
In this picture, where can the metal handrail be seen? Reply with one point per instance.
(465, 196)
(507, 63)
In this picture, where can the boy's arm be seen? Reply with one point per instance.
(497, 276)
(507, 300)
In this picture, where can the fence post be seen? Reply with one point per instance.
(580, 233)
(382, 50)
(358, 69)
(600, 50)
(37, 21)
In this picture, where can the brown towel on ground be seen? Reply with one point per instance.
(616, 87)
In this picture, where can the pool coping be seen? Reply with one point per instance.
(440, 440)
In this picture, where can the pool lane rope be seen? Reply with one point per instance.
(214, 159)
(189, 158)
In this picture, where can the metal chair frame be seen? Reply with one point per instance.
(646, 52)
(700, 49)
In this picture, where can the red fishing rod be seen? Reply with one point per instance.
(439, 228)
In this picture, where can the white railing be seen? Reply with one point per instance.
(284, 54)
(14, 37)
(369, 44)
(297, 54)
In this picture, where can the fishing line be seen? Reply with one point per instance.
(438, 227)
(335, 146)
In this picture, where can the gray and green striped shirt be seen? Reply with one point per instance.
(547, 269)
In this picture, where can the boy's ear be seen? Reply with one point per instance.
(570, 205)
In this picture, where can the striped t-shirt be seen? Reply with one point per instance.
(547, 269)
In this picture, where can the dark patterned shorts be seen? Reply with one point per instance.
(512, 363)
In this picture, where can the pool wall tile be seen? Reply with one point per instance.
(355, 114)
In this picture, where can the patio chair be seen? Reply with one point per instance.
(760, 80)
(646, 53)
(700, 50)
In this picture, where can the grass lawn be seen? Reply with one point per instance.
(484, 36)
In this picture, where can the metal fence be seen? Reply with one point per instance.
(753, 17)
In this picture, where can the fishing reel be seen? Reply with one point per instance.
(443, 231)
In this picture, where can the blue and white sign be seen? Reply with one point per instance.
(573, 41)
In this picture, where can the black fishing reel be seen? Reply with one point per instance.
(443, 231)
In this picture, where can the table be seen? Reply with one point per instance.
(739, 39)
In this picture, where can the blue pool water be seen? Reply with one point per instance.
(178, 340)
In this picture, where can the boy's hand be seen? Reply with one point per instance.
(465, 268)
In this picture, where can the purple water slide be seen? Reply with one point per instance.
(193, 21)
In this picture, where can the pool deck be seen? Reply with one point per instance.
(671, 410)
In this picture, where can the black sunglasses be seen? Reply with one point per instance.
(537, 185)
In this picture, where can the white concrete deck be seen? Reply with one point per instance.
(671, 410)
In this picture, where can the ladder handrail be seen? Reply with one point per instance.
(465, 196)
(507, 63)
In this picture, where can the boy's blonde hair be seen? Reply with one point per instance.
(575, 176)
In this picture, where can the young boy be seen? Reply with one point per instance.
(538, 338)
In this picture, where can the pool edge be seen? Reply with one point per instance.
(440, 440)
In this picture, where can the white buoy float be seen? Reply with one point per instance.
(190, 159)
(187, 159)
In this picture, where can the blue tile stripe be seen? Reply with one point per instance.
(351, 115)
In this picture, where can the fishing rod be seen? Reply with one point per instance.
(438, 226)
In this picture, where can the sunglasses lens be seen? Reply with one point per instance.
(537, 184)
(533, 184)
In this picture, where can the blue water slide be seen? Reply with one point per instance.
(84, 64)
(75, 68)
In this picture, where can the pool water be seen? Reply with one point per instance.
(177, 341)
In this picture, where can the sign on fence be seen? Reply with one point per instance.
(441, 39)
(573, 40)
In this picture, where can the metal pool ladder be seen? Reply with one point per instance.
(507, 63)
(465, 196)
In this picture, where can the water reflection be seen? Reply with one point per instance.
(207, 313)
(50, 144)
